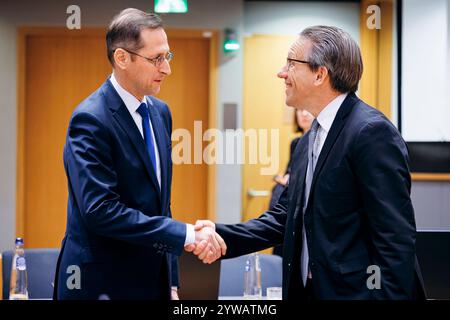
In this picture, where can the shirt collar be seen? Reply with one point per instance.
(130, 101)
(327, 115)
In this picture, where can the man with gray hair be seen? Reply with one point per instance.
(346, 217)
(121, 241)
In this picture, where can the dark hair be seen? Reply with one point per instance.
(335, 49)
(125, 29)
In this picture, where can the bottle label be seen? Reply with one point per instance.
(20, 264)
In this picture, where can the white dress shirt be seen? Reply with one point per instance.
(326, 118)
(132, 105)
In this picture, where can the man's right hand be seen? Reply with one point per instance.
(199, 224)
(208, 246)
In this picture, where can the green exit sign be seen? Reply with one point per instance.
(171, 6)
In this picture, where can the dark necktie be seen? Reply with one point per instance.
(313, 154)
(148, 137)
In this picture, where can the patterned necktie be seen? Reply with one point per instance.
(148, 137)
(313, 150)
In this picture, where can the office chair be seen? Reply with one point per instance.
(434, 259)
(232, 274)
(41, 265)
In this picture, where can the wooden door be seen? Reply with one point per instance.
(60, 69)
(186, 93)
(264, 108)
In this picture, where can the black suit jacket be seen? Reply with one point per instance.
(119, 228)
(359, 214)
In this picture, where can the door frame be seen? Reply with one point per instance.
(1, 277)
(26, 31)
(375, 87)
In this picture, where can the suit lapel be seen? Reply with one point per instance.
(299, 169)
(333, 134)
(162, 143)
(123, 117)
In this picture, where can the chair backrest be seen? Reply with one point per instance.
(41, 265)
(232, 274)
(433, 254)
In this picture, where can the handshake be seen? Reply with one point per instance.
(208, 246)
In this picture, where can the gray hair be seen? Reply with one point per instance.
(125, 30)
(335, 49)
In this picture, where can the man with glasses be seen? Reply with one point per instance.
(120, 241)
(346, 218)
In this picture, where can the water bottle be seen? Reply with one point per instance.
(252, 278)
(18, 285)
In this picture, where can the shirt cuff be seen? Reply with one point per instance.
(190, 234)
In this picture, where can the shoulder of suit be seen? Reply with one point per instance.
(366, 116)
(162, 107)
(94, 104)
(365, 113)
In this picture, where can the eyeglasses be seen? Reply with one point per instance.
(157, 62)
(290, 62)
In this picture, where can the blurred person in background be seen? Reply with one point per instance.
(302, 123)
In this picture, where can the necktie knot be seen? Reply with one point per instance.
(312, 137)
(143, 110)
(314, 126)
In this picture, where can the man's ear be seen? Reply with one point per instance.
(321, 75)
(121, 58)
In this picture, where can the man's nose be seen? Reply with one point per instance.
(165, 67)
(282, 73)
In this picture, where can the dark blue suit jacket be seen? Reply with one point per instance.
(119, 227)
(359, 213)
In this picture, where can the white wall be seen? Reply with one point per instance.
(425, 70)
(7, 134)
(447, 109)
(289, 18)
(394, 85)
(426, 98)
